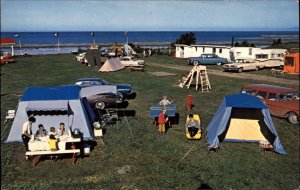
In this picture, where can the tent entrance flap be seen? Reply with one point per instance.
(244, 130)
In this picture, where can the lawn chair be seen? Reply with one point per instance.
(10, 115)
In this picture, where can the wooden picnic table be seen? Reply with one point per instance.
(40, 147)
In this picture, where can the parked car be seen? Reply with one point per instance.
(124, 90)
(282, 102)
(273, 63)
(131, 61)
(6, 58)
(207, 59)
(241, 65)
(105, 100)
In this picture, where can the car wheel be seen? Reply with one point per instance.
(293, 118)
(196, 63)
(257, 68)
(100, 105)
(240, 70)
(219, 63)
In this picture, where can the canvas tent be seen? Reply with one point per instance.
(291, 63)
(111, 65)
(51, 106)
(242, 118)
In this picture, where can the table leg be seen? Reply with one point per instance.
(154, 123)
(35, 160)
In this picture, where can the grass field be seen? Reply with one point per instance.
(134, 155)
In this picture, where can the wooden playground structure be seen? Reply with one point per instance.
(198, 72)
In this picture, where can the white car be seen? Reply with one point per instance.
(243, 65)
(131, 61)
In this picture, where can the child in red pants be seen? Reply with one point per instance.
(189, 102)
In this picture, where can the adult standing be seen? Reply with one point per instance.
(26, 131)
(144, 54)
(149, 52)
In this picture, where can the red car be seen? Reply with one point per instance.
(6, 58)
(282, 102)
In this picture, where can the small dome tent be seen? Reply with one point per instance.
(242, 118)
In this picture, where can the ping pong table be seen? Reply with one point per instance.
(156, 109)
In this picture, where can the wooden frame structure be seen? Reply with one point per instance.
(199, 72)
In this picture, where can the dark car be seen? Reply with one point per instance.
(282, 102)
(207, 59)
(104, 100)
(124, 90)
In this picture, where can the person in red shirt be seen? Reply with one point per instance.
(162, 119)
(189, 102)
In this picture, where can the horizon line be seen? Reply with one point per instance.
(267, 30)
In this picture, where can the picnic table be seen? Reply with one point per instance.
(156, 109)
(40, 147)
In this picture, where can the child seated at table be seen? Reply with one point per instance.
(52, 143)
(61, 129)
(41, 132)
(52, 131)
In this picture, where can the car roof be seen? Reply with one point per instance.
(88, 79)
(269, 88)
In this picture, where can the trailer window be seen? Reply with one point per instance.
(289, 61)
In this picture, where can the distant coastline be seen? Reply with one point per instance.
(141, 44)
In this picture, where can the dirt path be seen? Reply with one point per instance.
(261, 78)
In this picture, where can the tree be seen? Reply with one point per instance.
(187, 39)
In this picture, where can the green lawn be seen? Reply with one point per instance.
(134, 155)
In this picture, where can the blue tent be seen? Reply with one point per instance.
(51, 106)
(239, 108)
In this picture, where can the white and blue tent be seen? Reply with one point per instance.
(242, 118)
(51, 106)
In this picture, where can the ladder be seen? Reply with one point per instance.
(205, 84)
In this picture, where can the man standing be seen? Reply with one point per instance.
(26, 131)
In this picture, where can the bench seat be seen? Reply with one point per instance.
(45, 152)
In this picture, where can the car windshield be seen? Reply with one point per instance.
(133, 58)
(104, 82)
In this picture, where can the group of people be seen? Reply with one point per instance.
(41, 132)
(144, 53)
(192, 125)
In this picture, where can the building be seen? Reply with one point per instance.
(253, 53)
(230, 53)
(185, 51)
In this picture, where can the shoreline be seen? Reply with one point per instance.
(86, 45)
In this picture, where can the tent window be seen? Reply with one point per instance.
(65, 112)
(289, 61)
(214, 50)
(261, 94)
(203, 49)
(220, 50)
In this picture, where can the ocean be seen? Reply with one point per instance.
(76, 38)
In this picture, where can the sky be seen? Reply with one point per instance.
(149, 15)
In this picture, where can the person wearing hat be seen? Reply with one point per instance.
(26, 131)
(162, 119)
(164, 102)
